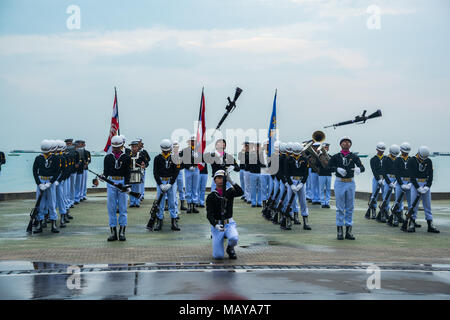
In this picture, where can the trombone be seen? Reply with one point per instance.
(309, 152)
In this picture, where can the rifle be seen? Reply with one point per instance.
(410, 211)
(286, 215)
(122, 189)
(270, 206)
(229, 108)
(381, 217)
(277, 210)
(153, 211)
(372, 202)
(363, 118)
(34, 212)
(394, 210)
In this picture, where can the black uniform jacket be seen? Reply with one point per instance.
(348, 163)
(214, 204)
(221, 163)
(420, 169)
(164, 167)
(388, 168)
(376, 165)
(297, 167)
(46, 166)
(401, 168)
(117, 168)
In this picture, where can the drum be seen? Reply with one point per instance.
(136, 176)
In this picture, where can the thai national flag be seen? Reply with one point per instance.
(114, 130)
(201, 138)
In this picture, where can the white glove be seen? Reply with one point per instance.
(42, 186)
(286, 185)
(299, 186)
(392, 185)
(229, 179)
(342, 172)
(128, 190)
(405, 187)
(357, 170)
(192, 169)
(381, 182)
(47, 185)
(219, 227)
(425, 189)
(168, 186)
(163, 187)
(294, 187)
(229, 169)
(409, 186)
(56, 183)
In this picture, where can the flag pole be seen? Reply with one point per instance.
(117, 107)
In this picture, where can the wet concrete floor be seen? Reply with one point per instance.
(100, 282)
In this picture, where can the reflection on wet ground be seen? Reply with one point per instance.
(38, 280)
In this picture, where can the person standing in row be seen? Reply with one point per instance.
(180, 177)
(45, 173)
(165, 172)
(324, 177)
(266, 178)
(85, 171)
(420, 170)
(203, 179)
(221, 160)
(117, 167)
(242, 164)
(346, 165)
(147, 159)
(137, 166)
(403, 181)
(376, 165)
(190, 160)
(2, 161)
(254, 167)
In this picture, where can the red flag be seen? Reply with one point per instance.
(201, 138)
(114, 130)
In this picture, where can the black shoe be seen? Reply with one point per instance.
(253, 205)
(150, 224)
(400, 217)
(416, 225)
(81, 200)
(389, 220)
(340, 233)
(175, 225)
(374, 213)
(38, 228)
(122, 233)
(166, 206)
(404, 226)
(201, 205)
(159, 224)
(113, 236)
(243, 198)
(54, 227)
(44, 224)
(194, 209)
(348, 233)
(231, 253)
(432, 228)
(66, 219)
(327, 206)
(284, 224)
(76, 202)
(69, 216)
(189, 208)
(132, 206)
(182, 207)
(315, 202)
(305, 223)
(412, 226)
(62, 221)
(309, 200)
(249, 202)
(71, 206)
(296, 220)
(259, 206)
(275, 218)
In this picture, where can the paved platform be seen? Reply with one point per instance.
(260, 242)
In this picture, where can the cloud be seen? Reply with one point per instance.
(293, 43)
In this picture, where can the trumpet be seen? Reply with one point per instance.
(309, 152)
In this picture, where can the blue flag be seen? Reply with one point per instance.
(273, 126)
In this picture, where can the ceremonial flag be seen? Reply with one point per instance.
(201, 128)
(273, 126)
(114, 130)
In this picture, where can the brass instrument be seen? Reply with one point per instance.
(311, 154)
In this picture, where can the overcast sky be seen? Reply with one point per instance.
(326, 63)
